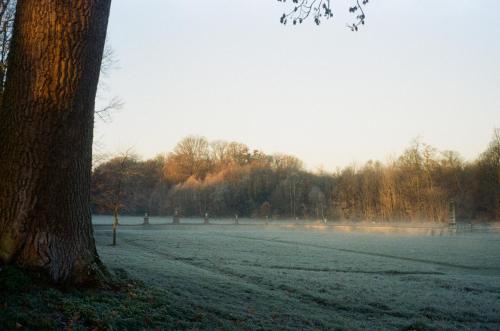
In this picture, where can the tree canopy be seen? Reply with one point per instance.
(226, 178)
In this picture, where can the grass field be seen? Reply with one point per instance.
(313, 276)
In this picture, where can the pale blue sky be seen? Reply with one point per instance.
(226, 69)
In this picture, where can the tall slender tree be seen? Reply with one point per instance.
(46, 131)
(7, 11)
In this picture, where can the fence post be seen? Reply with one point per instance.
(453, 215)
(176, 217)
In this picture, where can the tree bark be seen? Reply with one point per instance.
(46, 131)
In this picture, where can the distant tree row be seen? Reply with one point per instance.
(227, 178)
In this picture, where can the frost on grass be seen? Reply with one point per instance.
(248, 277)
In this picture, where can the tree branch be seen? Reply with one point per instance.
(319, 10)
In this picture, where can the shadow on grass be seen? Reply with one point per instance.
(30, 302)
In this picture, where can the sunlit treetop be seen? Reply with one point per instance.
(300, 10)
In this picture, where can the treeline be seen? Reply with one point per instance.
(227, 178)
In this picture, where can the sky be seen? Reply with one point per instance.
(228, 70)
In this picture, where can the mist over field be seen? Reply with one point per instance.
(225, 179)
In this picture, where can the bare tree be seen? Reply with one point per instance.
(105, 113)
(109, 63)
(317, 197)
(190, 158)
(117, 193)
(7, 11)
(115, 190)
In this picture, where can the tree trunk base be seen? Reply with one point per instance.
(70, 259)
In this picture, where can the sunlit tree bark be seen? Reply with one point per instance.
(46, 129)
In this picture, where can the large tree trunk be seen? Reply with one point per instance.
(46, 129)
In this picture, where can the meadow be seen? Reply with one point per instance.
(291, 275)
